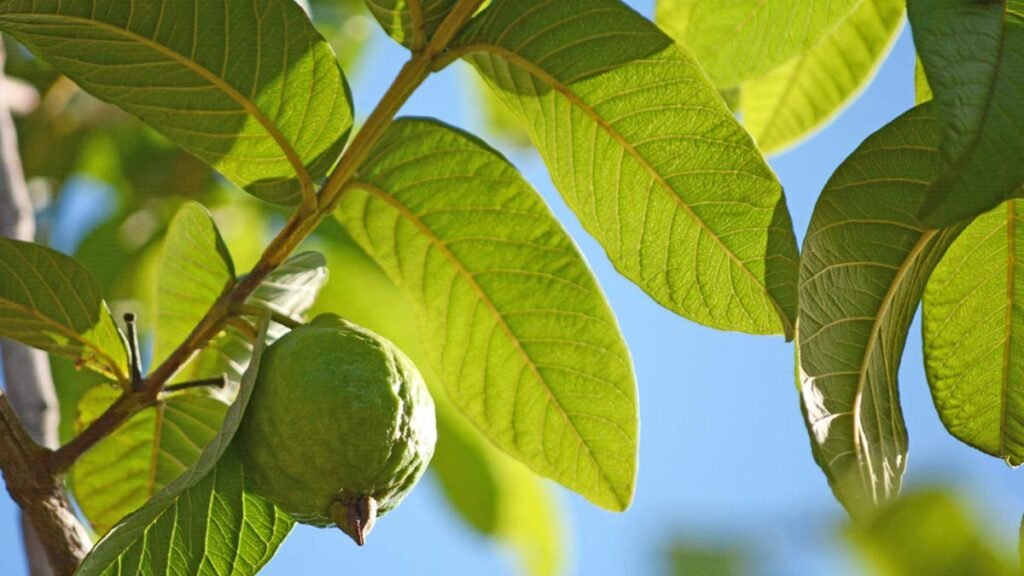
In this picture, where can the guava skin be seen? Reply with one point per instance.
(339, 428)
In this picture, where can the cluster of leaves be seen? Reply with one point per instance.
(638, 126)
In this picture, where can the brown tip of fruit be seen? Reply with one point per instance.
(355, 516)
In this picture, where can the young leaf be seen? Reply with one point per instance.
(195, 269)
(973, 53)
(290, 290)
(249, 87)
(205, 521)
(410, 22)
(153, 448)
(743, 39)
(515, 323)
(803, 94)
(50, 302)
(646, 153)
(973, 329)
(865, 262)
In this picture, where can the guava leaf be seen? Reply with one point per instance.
(291, 289)
(743, 39)
(515, 323)
(153, 448)
(496, 495)
(249, 87)
(865, 262)
(973, 53)
(922, 90)
(49, 301)
(791, 101)
(973, 329)
(927, 532)
(410, 22)
(204, 522)
(645, 152)
(195, 269)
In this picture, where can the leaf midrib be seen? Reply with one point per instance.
(876, 331)
(499, 318)
(1011, 261)
(531, 68)
(250, 108)
(802, 60)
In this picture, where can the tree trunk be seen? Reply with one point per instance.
(29, 382)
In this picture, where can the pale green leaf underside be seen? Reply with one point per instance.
(195, 269)
(743, 39)
(973, 53)
(973, 328)
(648, 156)
(865, 262)
(204, 522)
(793, 100)
(50, 302)
(249, 87)
(515, 323)
(291, 289)
(403, 19)
(157, 445)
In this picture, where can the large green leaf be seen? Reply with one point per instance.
(249, 87)
(205, 521)
(928, 532)
(195, 269)
(515, 323)
(865, 262)
(49, 301)
(646, 153)
(157, 445)
(410, 22)
(973, 53)
(973, 329)
(803, 94)
(743, 39)
(496, 495)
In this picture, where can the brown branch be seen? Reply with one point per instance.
(40, 494)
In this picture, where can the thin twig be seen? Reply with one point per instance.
(218, 382)
(134, 354)
(257, 310)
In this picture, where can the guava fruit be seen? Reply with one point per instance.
(339, 428)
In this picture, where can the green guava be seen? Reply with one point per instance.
(339, 428)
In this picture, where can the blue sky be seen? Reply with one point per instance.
(723, 455)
